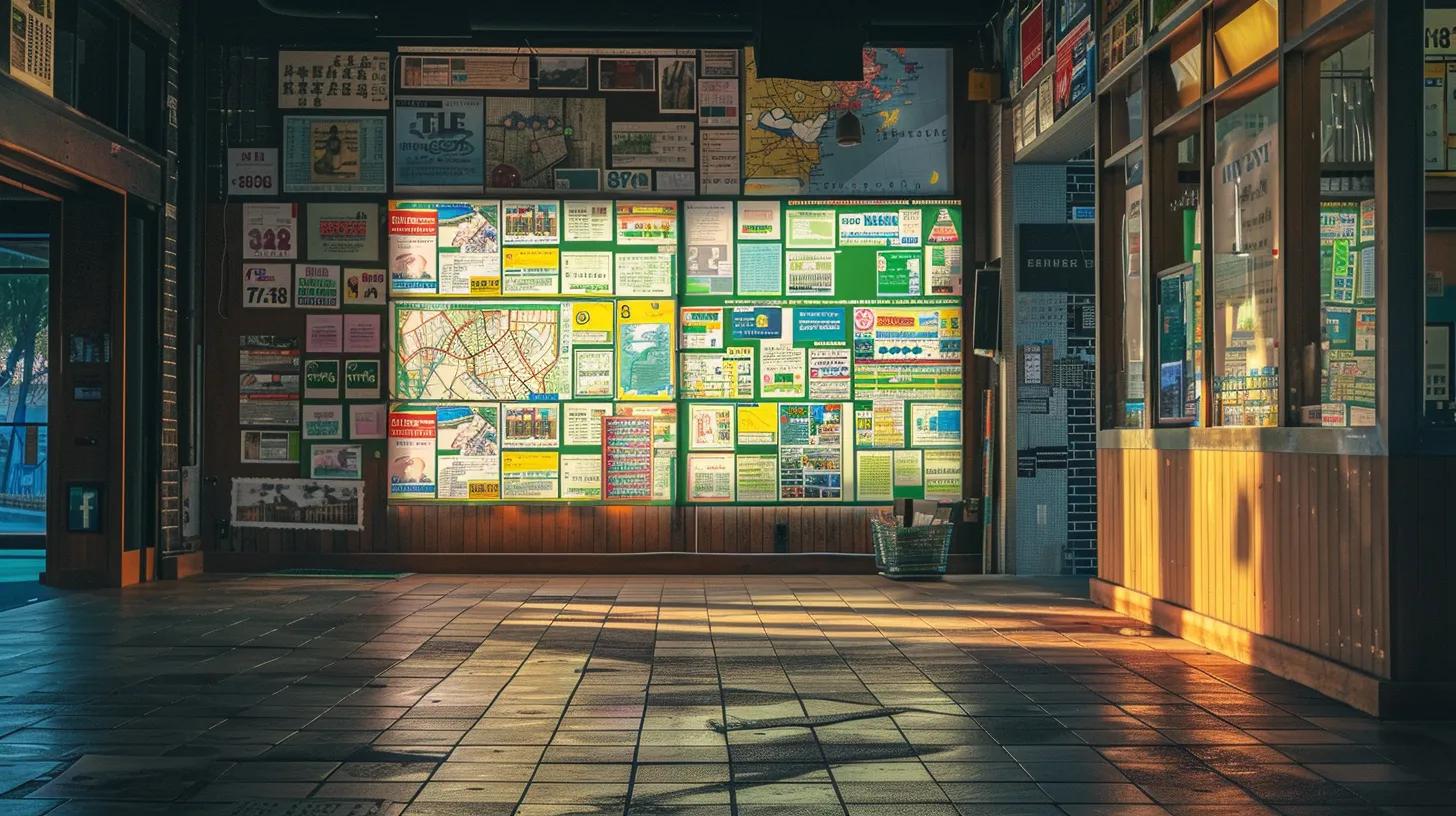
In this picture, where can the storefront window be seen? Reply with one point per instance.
(1243, 34)
(1440, 164)
(1347, 349)
(1246, 263)
(1180, 286)
(1133, 299)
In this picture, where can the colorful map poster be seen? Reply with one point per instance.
(475, 351)
(791, 142)
(645, 330)
(528, 138)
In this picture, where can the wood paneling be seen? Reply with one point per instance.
(1289, 546)
(550, 529)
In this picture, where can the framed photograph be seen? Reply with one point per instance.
(627, 74)
(677, 87)
(562, 74)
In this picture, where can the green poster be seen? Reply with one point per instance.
(897, 272)
(361, 379)
(321, 379)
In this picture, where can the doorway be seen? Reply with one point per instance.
(27, 238)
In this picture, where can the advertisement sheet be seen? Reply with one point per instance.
(439, 143)
(445, 247)
(710, 477)
(627, 458)
(270, 231)
(645, 365)
(267, 286)
(343, 232)
(339, 80)
(757, 478)
(334, 154)
(530, 474)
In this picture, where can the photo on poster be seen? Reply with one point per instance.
(268, 448)
(645, 360)
(710, 477)
(316, 286)
(343, 232)
(677, 86)
(439, 143)
(267, 286)
(270, 231)
(626, 74)
(530, 222)
(335, 462)
(531, 425)
(334, 154)
(364, 287)
(562, 73)
(710, 427)
(298, 504)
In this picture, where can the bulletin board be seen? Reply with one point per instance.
(821, 349)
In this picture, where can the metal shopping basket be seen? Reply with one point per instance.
(910, 552)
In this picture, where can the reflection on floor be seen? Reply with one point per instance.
(20, 579)
(703, 696)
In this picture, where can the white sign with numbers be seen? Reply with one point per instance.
(252, 171)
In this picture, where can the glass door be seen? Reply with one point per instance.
(25, 361)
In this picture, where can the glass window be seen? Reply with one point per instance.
(1132, 375)
(1179, 258)
(1246, 263)
(24, 381)
(1346, 361)
(146, 55)
(1244, 33)
(1163, 9)
(1440, 164)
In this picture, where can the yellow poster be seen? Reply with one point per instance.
(530, 474)
(530, 270)
(646, 368)
(591, 323)
(758, 424)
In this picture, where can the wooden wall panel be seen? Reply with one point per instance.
(1290, 546)
(567, 529)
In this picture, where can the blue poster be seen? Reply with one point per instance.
(439, 143)
(816, 324)
(758, 323)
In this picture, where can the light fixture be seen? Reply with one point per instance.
(847, 130)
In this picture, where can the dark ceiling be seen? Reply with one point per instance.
(601, 23)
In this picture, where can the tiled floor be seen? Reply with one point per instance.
(703, 696)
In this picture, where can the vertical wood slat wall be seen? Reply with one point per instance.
(1290, 546)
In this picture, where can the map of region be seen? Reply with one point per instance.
(791, 144)
(478, 351)
(528, 138)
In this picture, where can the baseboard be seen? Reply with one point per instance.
(182, 565)
(661, 563)
(1350, 686)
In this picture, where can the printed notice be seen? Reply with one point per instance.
(586, 273)
(781, 368)
(710, 477)
(758, 220)
(316, 287)
(829, 374)
(720, 153)
(943, 475)
(582, 423)
(581, 477)
(593, 372)
(529, 474)
(644, 274)
(587, 221)
(873, 475)
(810, 274)
(907, 468)
(702, 328)
(760, 269)
(530, 270)
(809, 228)
(757, 479)
(708, 226)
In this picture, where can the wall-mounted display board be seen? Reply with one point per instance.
(1347, 305)
(791, 142)
(821, 347)
(505, 397)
